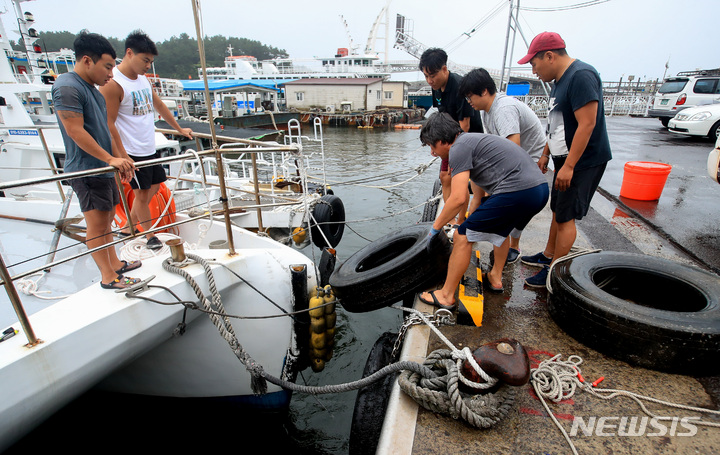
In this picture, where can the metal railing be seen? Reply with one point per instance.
(615, 105)
(252, 147)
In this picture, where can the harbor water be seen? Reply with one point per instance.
(383, 179)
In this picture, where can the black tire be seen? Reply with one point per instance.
(371, 401)
(650, 312)
(714, 132)
(329, 215)
(664, 121)
(432, 204)
(388, 269)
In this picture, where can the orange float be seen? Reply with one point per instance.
(157, 205)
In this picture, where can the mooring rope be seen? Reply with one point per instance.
(422, 382)
(557, 380)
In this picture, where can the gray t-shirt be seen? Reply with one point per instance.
(508, 116)
(496, 164)
(71, 93)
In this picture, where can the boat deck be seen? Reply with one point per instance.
(521, 313)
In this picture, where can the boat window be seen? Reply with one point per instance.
(388, 95)
(300, 96)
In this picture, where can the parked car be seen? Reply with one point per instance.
(697, 121)
(687, 89)
(713, 164)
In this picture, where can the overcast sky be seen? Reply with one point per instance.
(618, 37)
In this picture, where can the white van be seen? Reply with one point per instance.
(687, 89)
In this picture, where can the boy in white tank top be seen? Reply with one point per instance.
(131, 107)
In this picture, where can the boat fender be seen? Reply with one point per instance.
(326, 266)
(504, 359)
(299, 234)
(322, 327)
(329, 214)
(394, 266)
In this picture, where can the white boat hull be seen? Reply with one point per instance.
(97, 336)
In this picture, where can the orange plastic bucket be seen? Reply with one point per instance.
(644, 180)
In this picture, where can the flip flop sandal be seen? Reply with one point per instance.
(490, 287)
(121, 282)
(436, 303)
(128, 266)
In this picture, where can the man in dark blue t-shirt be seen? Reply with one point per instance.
(447, 98)
(577, 141)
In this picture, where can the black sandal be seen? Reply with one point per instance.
(128, 266)
(121, 282)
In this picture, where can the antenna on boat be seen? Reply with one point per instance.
(218, 155)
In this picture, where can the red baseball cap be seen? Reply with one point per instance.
(546, 41)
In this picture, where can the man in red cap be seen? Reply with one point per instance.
(577, 142)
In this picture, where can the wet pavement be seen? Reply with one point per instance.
(682, 226)
(688, 211)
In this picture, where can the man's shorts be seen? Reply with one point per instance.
(574, 203)
(147, 176)
(96, 193)
(499, 214)
(444, 165)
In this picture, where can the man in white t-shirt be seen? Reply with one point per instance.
(131, 106)
(507, 117)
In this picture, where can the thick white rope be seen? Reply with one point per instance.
(558, 380)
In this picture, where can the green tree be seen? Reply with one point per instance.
(178, 56)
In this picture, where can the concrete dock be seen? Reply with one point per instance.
(521, 313)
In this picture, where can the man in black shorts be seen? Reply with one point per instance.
(577, 141)
(447, 98)
(82, 117)
(131, 107)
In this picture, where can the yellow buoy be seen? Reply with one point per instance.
(299, 235)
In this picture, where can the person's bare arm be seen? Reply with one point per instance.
(457, 199)
(465, 124)
(74, 125)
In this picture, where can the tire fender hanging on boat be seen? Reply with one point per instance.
(329, 215)
(386, 270)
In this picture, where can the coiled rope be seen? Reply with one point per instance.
(557, 380)
(442, 394)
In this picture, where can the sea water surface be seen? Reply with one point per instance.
(376, 174)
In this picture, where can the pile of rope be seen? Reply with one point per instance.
(557, 379)
(442, 393)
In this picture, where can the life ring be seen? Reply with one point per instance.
(372, 400)
(329, 214)
(645, 310)
(431, 205)
(157, 205)
(388, 269)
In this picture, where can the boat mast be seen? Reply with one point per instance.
(208, 103)
(29, 38)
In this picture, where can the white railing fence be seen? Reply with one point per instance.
(615, 105)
